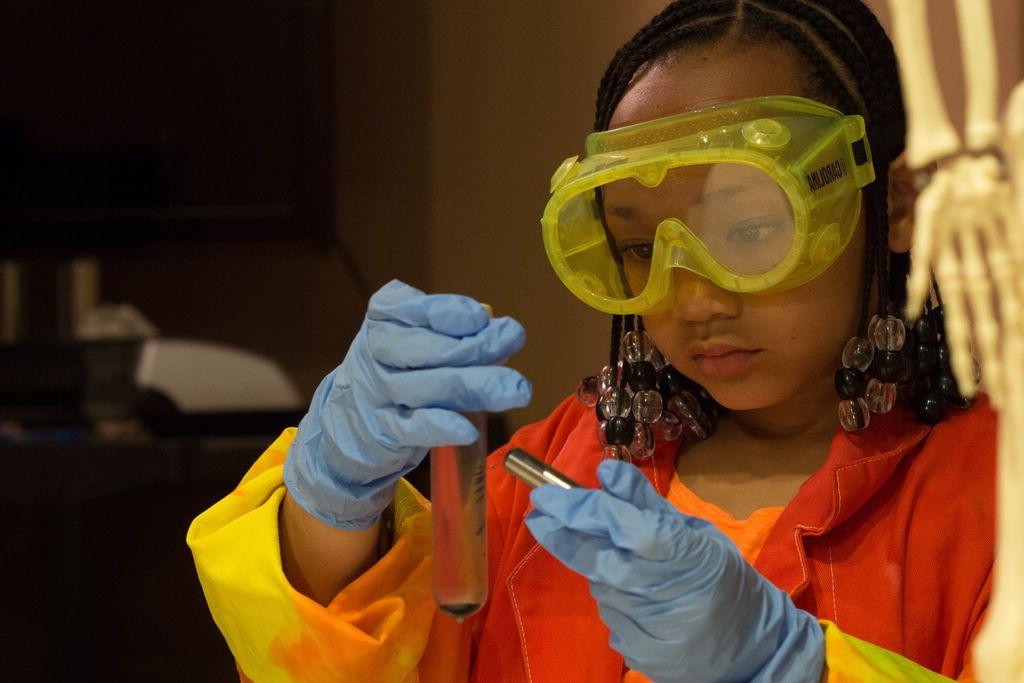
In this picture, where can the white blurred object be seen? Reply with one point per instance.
(969, 231)
(203, 377)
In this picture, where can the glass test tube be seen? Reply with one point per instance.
(458, 496)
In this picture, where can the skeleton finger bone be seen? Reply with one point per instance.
(950, 278)
(930, 206)
(979, 294)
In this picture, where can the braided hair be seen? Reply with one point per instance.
(853, 67)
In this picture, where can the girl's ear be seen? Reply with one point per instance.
(902, 198)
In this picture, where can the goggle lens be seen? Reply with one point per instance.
(733, 213)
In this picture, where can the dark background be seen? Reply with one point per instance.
(244, 172)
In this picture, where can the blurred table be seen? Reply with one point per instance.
(70, 484)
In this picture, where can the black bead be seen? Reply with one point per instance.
(944, 382)
(619, 431)
(888, 366)
(940, 317)
(960, 402)
(942, 356)
(671, 382)
(927, 358)
(908, 336)
(931, 408)
(643, 376)
(850, 383)
(922, 384)
(708, 405)
(926, 330)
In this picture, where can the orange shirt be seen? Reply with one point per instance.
(748, 534)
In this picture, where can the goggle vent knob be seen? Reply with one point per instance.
(766, 134)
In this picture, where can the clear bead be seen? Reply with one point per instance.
(614, 403)
(853, 414)
(684, 405)
(696, 428)
(643, 442)
(605, 380)
(657, 359)
(668, 427)
(875, 320)
(637, 346)
(889, 334)
(616, 453)
(858, 353)
(705, 425)
(586, 391)
(647, 406)
(602, 438)
(880, 396)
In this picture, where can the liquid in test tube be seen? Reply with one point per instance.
(458, 496)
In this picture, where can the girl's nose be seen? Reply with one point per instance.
(696, 299)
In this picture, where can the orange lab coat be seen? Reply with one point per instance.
(889, 542)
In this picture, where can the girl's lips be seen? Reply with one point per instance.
(726, 364)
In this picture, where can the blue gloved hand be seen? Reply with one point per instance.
(416, 360)
(681, 602)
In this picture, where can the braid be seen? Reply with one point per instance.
(681, 23)
(613, 357)
(853, 65)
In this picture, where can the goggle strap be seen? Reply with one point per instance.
(860, 152)
(888, 141)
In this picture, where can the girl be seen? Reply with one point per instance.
(745, 217)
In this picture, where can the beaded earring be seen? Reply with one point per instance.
(896, 361)
(641, 399)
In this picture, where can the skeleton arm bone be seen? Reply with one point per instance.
(979, 58)
(930, 134)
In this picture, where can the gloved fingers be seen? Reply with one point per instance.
(423, 428)
(574, 549)
(661, 617)
(652, 654)
(451, 314)
(597, 558)
(467, 390)
(647, 533)
(628, 573)
(628, 638)
(637, 575)
(626, 482)
(403, 347)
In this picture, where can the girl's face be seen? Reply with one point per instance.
(790, 343)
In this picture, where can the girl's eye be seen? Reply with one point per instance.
(751, 234)
(640, 252)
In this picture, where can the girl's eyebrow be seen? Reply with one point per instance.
(724, 194)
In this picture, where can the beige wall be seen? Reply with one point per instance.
(1006, 16)
(512, 94)
(452, 116)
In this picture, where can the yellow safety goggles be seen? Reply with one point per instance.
(756, 195)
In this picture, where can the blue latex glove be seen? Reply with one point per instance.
(416, 360)
(680, 601)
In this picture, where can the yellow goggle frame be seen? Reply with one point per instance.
(817, 156)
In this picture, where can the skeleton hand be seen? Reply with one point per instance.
(969, 231)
